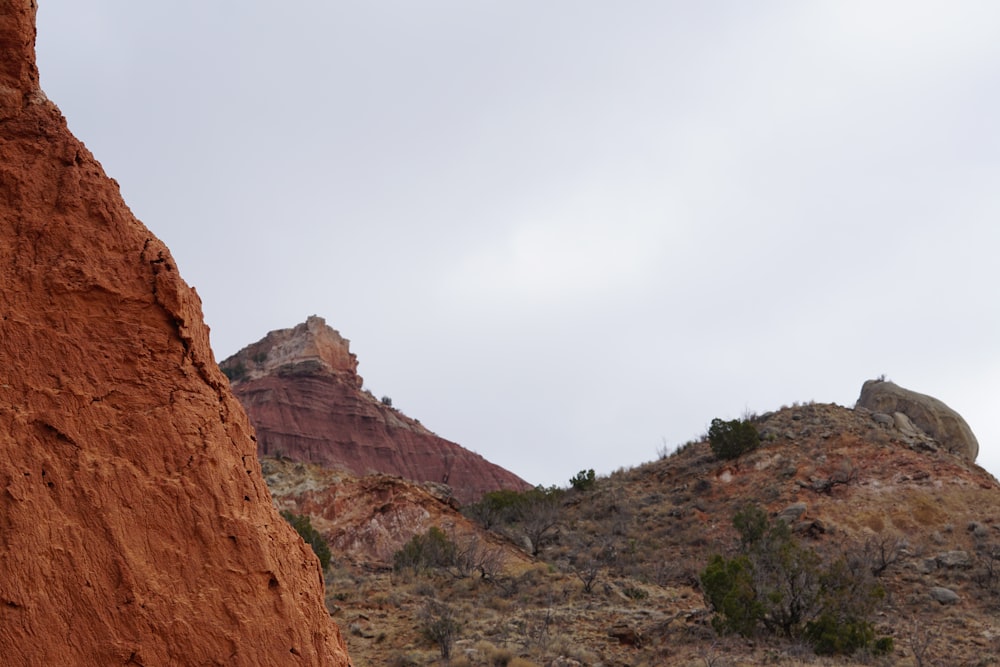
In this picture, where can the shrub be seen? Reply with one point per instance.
(431, 550)
(532, 515)
(439, 624)
(883, 646)
(387, 401)
(475, 555)
(635, 593)
(777, 586)
(752, 524)
(728, 585)
(583, 480)
(732, 439)
(497, 657)
(236, 372)
(496, 508)
(303, 526)
(830, 635)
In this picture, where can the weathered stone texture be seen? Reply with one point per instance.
(136, 526)
(936, 419)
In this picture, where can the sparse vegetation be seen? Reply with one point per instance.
(638, 546)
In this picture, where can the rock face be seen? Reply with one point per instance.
(136, 525)
(368, 519)
(302, 392)
(929, 414)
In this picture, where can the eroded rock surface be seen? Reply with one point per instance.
(136, 525)
(302, 392)
(368, 519)
(930, 415)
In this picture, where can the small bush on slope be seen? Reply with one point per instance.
(776, 586)
(732, 439)
(303, 526)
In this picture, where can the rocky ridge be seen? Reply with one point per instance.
(301, 390)
(136, 524)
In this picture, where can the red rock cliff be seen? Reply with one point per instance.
(136, 525)
(302, 392)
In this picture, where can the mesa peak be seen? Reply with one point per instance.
(310, 347)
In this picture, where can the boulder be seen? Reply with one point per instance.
(928, 414)
(954, 559)
(136, 525)
(905, 426)
(792, 513)
(625, 634)
(883, 420)
(943, 595)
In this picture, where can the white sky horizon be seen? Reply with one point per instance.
(566, 234)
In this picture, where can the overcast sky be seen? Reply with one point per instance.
(568, 234)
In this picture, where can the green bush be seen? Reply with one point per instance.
(777, 586)
(583, 480)
(728, 585)
(732, 439)
(496, 508)
(431, 550)
(236, 372)
(830, 635)
(752, 524)
(883, 646)
(303, 526)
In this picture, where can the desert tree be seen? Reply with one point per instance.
(732, 439)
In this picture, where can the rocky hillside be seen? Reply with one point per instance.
(366, 520)
(303, 394)
(617, 579)
(136, 525)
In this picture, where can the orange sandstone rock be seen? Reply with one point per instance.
(135, 526)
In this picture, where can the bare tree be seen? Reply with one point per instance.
(883, 550)
(921, 640)
(540, 517)
(440, 624)
(473, 554)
